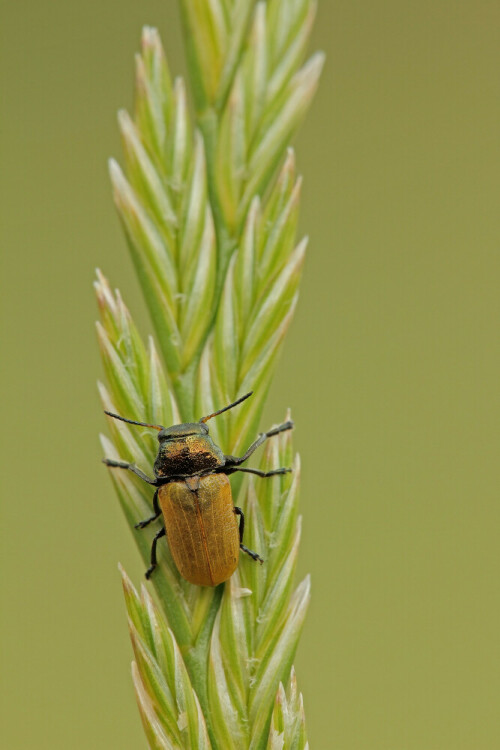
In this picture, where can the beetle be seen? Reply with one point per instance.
(193, 494)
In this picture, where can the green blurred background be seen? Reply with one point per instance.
(391, 367)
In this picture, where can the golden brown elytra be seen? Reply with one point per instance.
(201, 526)
(194, 497)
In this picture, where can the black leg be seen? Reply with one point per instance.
(235, 461)
(157, 510)
(154, 561)
(239, 513)
(259, 473)
(253, 555)
(130, 467)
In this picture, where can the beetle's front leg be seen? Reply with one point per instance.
(130, 467)
(232, 461)
(154, 561)
(157, 512)
(253, 555)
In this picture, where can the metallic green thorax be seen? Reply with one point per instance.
(185, 450)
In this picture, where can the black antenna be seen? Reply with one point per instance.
(235, 403)
(131, 421)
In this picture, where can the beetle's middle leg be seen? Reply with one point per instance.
(236, 461)
(154, 561)
(130, 467)
(253, 555)
(258, 472)
(157, 512)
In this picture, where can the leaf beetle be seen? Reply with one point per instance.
(194, 496)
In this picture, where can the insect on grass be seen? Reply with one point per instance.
(194, 496)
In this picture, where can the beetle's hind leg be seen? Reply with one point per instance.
(253, 555)
(154, 561)
(157, 512)
(130, 467)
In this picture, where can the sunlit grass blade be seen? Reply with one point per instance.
(164, 693)
(277, 665)
(287, 730)
(154, 98)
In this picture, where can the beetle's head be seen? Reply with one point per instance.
(179, 431)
